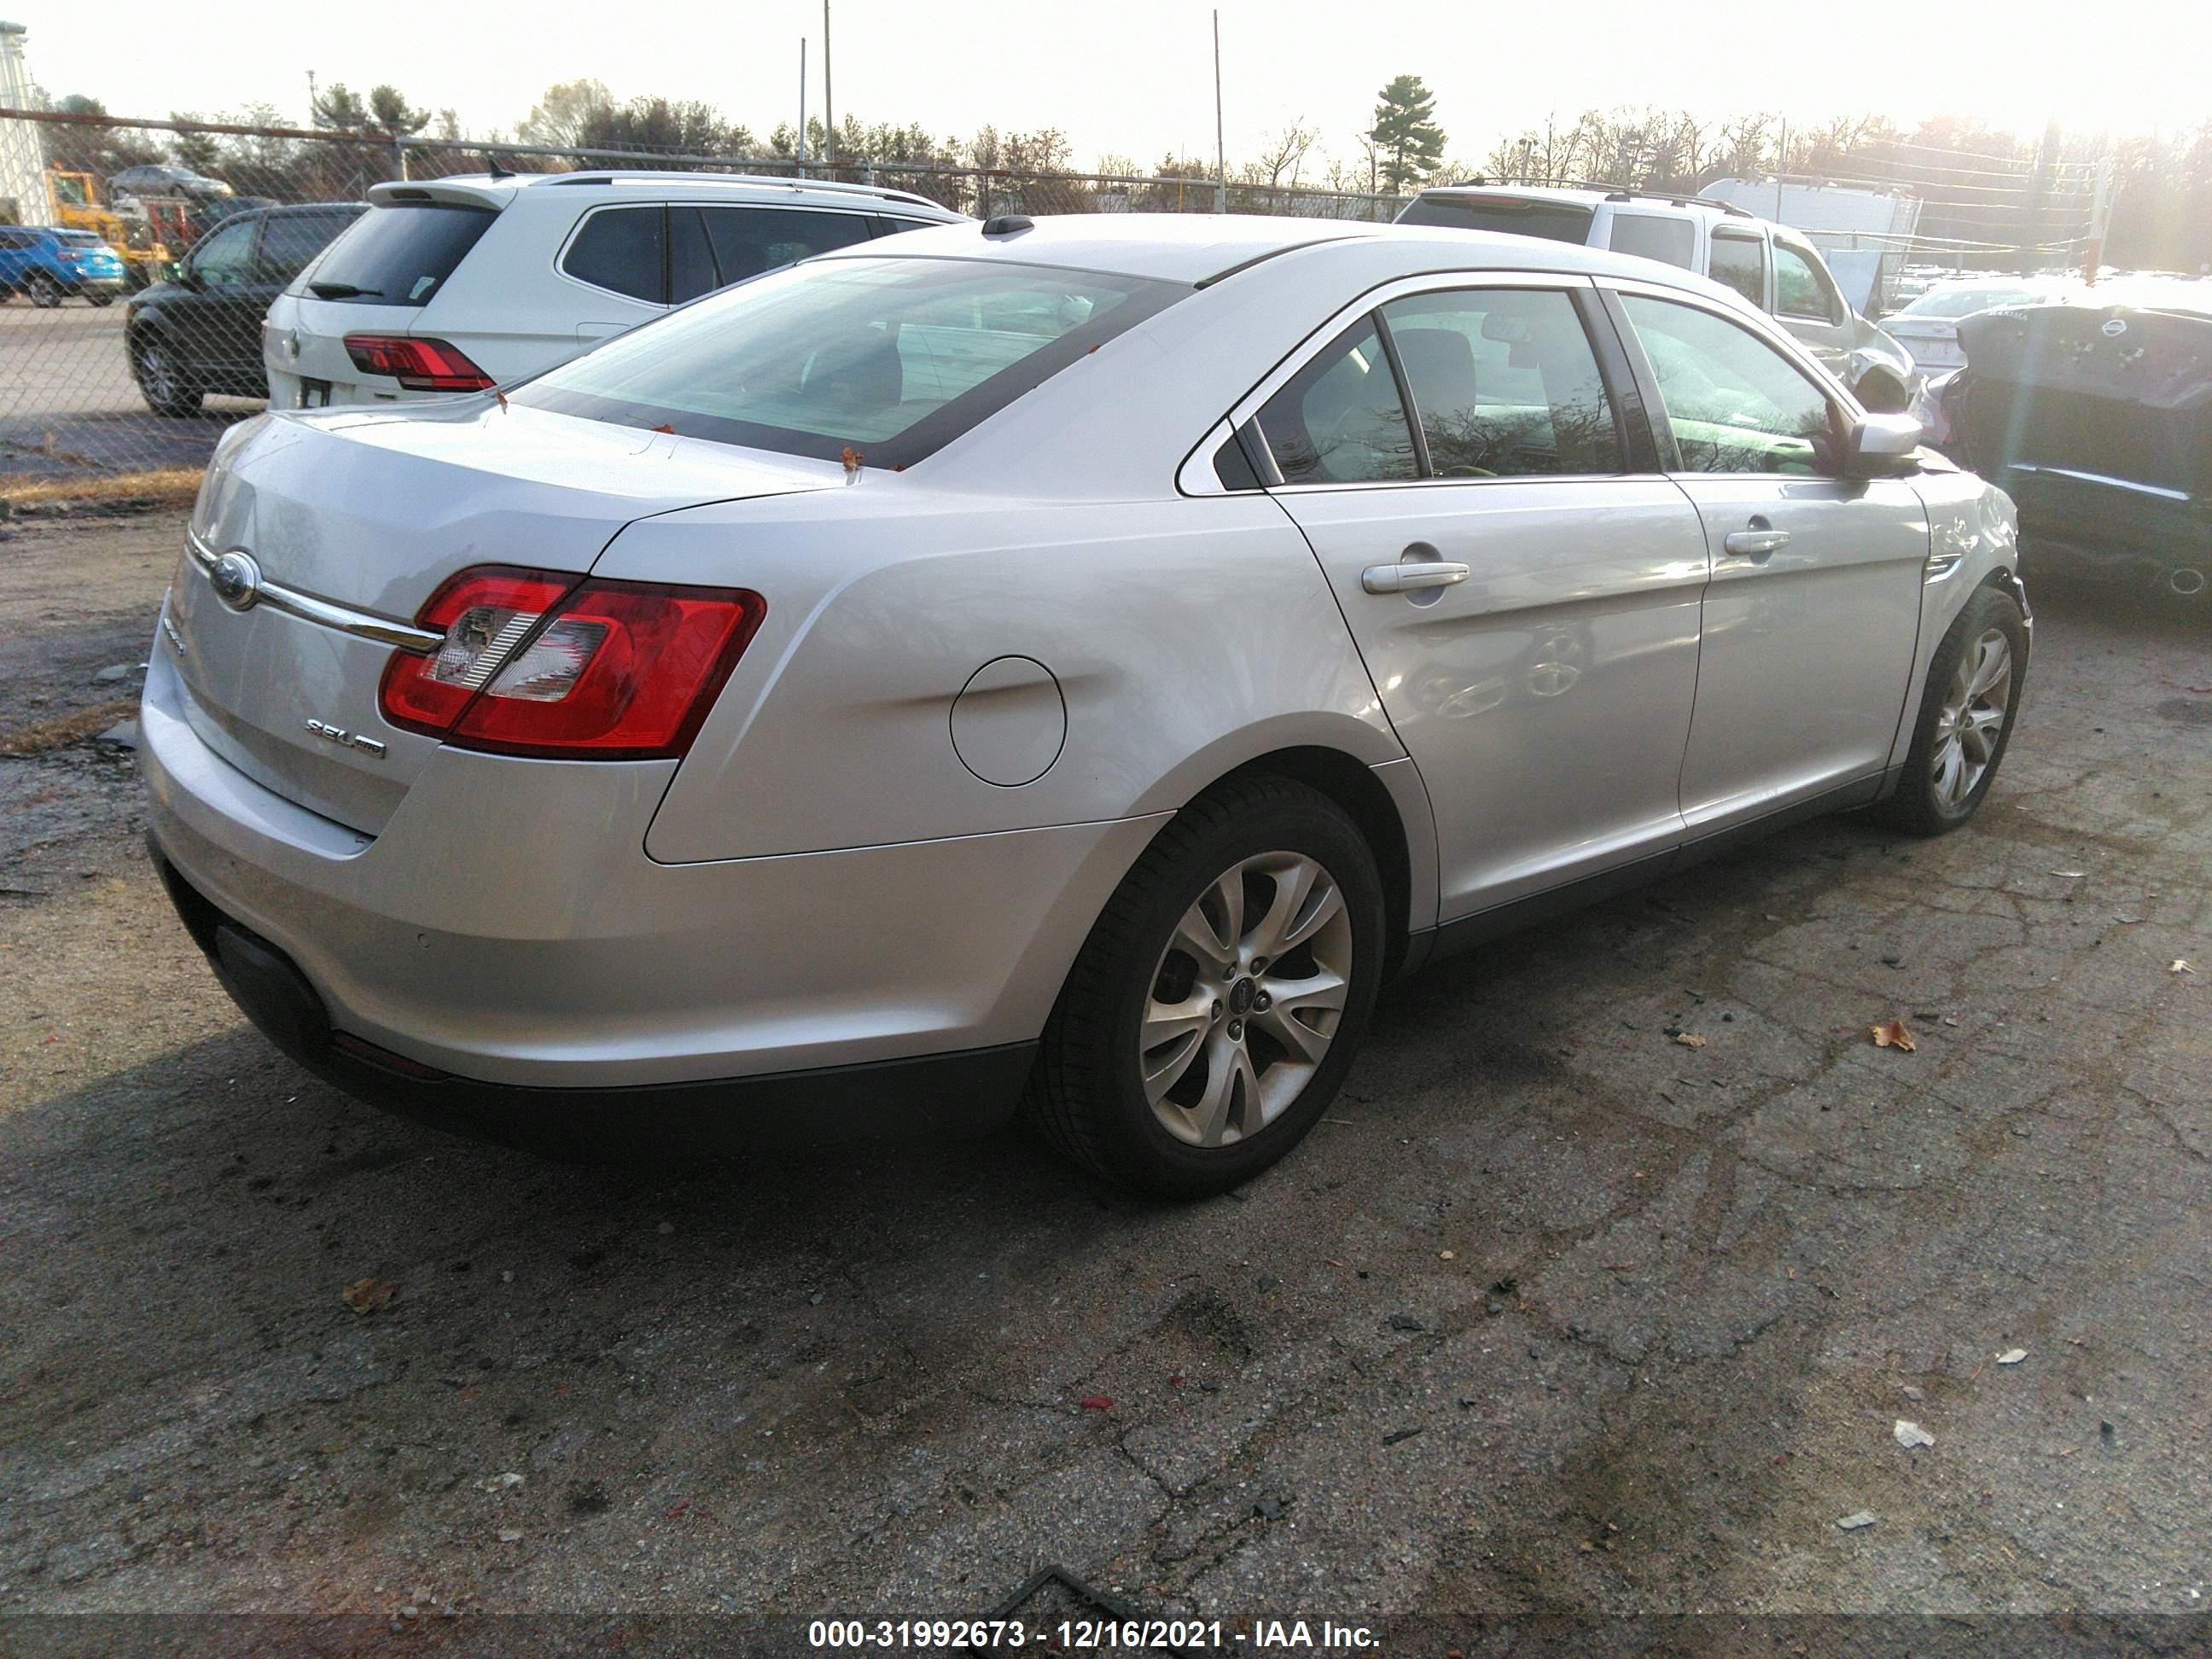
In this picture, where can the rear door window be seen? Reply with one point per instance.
(1339, 419)
(621, 249)
(750, 241)
(1504, 384)
(1740, 262)
(402, 254)
(1652, 236)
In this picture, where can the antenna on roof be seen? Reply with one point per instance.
(494, 170)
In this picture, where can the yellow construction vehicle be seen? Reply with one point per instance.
(76, 199)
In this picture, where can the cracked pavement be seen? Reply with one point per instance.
(1650, 1310)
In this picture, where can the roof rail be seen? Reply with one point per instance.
(880, 192)
(1679, 198)
(1611, 192)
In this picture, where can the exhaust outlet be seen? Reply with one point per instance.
(2187, 582)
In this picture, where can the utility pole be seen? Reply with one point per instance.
(1220, 149)
(802, 106)
(1780, 167)
(2100, 217)
(2031, 241)
(829, 101)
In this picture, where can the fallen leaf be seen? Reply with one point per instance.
(851, 458)
(2012, 1355)
(1689, 1039)
(2070, 875)
(1909, 1435)
(1892, 1033)
(2180, 965)
(366, 1296)
(1443, 1256)
(1098, 1402)
(1858, 1518)
(665, 427)
(499, 1482)
(676, 1513)
(509, 1536)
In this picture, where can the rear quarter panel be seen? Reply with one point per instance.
(1186, 636)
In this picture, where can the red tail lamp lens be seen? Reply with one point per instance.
(418, 364)
(610, 671)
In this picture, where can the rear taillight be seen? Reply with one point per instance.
(419, 365)
(538, 664)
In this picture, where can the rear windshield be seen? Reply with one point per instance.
(78, 239)
(891, 357)
(399, 255)
(1557, 221)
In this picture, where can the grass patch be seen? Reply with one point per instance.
(167, 486)
(63, 730)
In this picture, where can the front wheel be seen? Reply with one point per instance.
(1212, 1013)
(46, 293)
(1965, 717)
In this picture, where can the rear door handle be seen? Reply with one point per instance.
(1756, 545)
(1406, 578)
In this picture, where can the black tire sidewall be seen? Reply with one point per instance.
(1139, 1143)
(1919, 808)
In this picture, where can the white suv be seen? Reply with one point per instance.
(450, 285)
(1770, 264)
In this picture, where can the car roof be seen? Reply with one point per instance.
(1589, 196)
(1201, 249)
(496, 191)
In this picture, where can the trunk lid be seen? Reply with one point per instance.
(371, 510)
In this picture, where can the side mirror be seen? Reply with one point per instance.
(1881, 445)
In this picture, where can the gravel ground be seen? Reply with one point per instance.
(1554, 1315)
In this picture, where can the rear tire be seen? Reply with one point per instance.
(102, 298)
(162, 381)
(1214, 1010)
(1965, 719)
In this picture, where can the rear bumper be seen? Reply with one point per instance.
(947, 1094)
(505, 927)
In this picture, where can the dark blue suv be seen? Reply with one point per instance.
(49, 265)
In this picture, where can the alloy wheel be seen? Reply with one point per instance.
(1973, 718)
(157, 375)
(1246, 998)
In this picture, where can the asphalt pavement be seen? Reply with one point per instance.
(68, 406)
(1558, 1313)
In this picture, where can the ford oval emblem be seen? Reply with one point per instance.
(236, 581)
(2114, 327)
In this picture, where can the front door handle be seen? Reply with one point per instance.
(1406, 578)
(1757, 544)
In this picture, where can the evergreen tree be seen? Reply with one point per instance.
(1408, 143)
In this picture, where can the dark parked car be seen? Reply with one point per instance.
(49, 265)
(201, 330)
(2098, 421)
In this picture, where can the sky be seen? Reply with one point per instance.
(1136, 77)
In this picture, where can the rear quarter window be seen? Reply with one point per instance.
(1651, 236)
(403, 254)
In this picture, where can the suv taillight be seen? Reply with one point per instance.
(539, 664)
(419, 365)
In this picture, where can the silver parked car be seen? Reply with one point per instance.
(1080, 662)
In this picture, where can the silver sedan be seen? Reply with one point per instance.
(1068, 666)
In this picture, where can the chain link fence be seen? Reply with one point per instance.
(96, 211)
